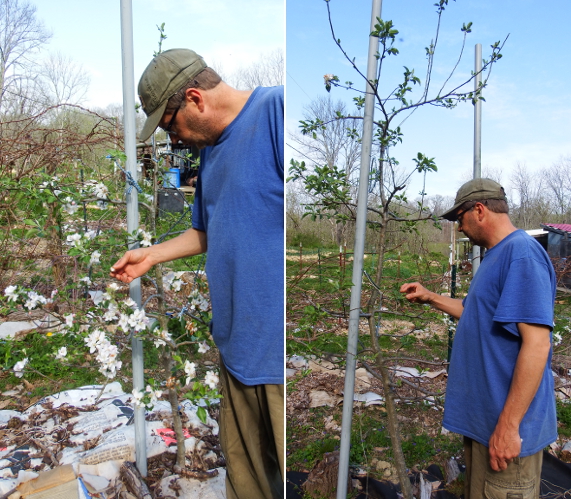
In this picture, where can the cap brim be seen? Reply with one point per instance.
(451, 214)
(152, 122)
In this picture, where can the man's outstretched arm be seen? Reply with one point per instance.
(135, 263)
(416, 293)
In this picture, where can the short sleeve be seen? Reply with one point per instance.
(526, 296)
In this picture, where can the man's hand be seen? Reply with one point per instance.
(133, 264)
(416, 292)
(504, 446)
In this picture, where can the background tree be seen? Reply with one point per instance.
(557, 181)
(64, 80)
(21, 36)
(336, 145)
(267, 71)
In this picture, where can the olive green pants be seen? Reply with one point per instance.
(520, 480)
(252, 438)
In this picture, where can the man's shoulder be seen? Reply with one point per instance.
(526, 245)
(274, 94)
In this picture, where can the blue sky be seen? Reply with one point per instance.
(525, 117)
(228, 34)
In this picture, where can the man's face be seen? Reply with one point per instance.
(467, 224)
(189, 126)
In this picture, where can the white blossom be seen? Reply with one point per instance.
(90, 234)
(130, 303)
(211, 379)
(124, 322)
(62, 353)
(138, 320)
(154, 394)
(203, 347)
(94, 258)
(11, 293)
(95, 339)
(137, 398)
(110, 315)
(198, 301)
(557, 338)
(190, 370)
(19, 367)
(113, 286)
(69, 320)
(98, 189)
(147, 236)
(34, 299)
(70, 206)
(74, 239)
(162, 339)
(87, 281)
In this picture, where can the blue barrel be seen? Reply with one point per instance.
(172, 178)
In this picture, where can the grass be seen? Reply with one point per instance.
(564, 418)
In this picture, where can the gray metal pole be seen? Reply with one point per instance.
(133, 216)
(477, 139)
(358, 258)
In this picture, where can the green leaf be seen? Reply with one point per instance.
(201, 413)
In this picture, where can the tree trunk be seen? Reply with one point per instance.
(375, 302)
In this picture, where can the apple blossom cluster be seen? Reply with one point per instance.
(70, 206)
(148, 398)
(173, 281)
(30, 299)
(146, 238)
(211, 379)
(53, 184)
(198, 301)
(126, 313)
(78, 240)
(99, 190)
(162, 338)
(106, 353)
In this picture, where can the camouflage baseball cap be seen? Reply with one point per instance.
(477, 189)
(167, 73)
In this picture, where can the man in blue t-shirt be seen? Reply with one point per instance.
(238, 215)
(500, 394)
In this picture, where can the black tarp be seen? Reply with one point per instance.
(555, 483)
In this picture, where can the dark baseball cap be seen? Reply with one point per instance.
(477, 189)
(167, 73)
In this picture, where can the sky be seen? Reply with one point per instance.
(526, 115)
(525, 118)
(228, 34)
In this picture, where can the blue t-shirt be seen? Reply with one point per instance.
(515, 283)
(239, 204)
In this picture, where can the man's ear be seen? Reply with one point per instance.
(480, 210)
(195, 97)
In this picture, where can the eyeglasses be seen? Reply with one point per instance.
(168, 128)
(461, 214)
